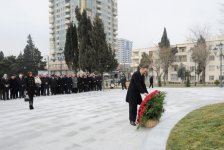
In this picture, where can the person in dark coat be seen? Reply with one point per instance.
(99, 82)
(22, 84)
(14, 87)
(69, 84)
(136, 88)
(79, 79)
(123, 81)
(1, 89)
(30, 88)
(5, 87)
(53, 85)
(151, 82)
(60, 85)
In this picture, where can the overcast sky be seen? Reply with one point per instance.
(141, 21)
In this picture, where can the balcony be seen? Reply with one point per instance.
(67, 21)
(115, 28)
(51, 20)
(67, 10)
(51, 32)
(115, 33)
(51, 11)
(51, 5)
(51, 27)
(67, 5)
(67, 16)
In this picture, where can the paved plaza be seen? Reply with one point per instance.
(93, 120)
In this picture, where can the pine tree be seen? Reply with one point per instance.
(100, 45)
(71, 51)
(75, 47)
(68, 51)
(32, 59)
(86, 51)
(112, 61)
(1, 56)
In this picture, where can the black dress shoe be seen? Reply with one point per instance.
(133, 123)
(31, 107)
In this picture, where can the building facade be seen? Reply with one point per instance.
(183, 56)
(124, 51)
(62, 13)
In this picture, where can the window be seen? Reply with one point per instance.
(211, 78)
(181, 58)
(211, 58)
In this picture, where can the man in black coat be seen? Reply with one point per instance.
(53, 85)
(22, 84)
(30, 88)
(151, 82)
(136, 88)
(14, 87)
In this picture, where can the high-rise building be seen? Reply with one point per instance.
(124, 51)
(62, 13)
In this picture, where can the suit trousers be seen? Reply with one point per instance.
(132, 112)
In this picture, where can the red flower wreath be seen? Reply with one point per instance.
(142, 107)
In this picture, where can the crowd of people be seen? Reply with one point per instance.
(14, 87)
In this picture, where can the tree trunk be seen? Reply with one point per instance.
(203, 75)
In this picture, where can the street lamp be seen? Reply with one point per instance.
(221, 55)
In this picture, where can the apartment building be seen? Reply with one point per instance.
(183, 56)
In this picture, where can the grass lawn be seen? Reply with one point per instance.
(202, 129)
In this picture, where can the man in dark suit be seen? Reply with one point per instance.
(151, 82)
(22, 84)
(136, 88)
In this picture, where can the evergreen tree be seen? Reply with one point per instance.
(86, 51)
(100, 45)
(1, 56)
(32, 59)
(68, 51)
(75, 47)
(111, 60)
(165, 42)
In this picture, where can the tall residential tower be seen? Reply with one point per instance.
(124, 51)
(62, 13)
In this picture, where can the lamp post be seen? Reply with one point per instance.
(221, 55)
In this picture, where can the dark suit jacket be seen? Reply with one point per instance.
(136, 87)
